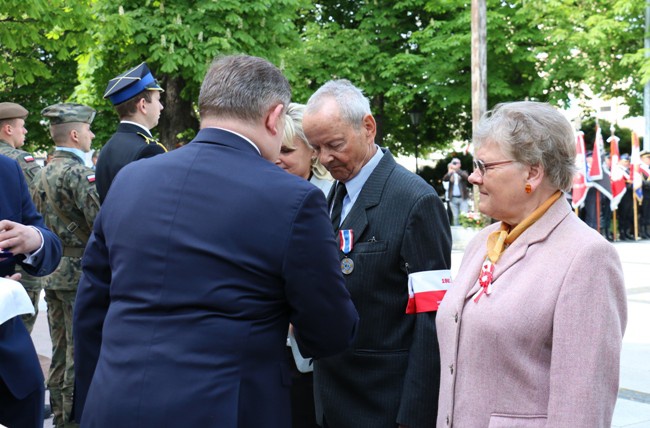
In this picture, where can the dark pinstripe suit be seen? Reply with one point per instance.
(391, 373)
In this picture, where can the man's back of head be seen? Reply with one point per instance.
(242, 87)
(247, 95)
(70, 124)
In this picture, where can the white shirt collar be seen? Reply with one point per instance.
(80, 153)
(239, 135)
(148, 132)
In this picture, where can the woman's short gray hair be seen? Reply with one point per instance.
(353, 105)
(532, 133)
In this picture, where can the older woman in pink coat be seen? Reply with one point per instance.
(530, 332)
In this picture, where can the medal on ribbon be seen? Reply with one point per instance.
(485, 279)
(347, 242)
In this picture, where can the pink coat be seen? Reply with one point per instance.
(543, 349)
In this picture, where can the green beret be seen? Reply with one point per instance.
(68, 112)
(12, 111)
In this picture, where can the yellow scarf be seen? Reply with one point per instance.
(498, 241)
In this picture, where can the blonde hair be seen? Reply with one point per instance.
(292, 129)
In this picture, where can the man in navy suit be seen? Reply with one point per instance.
(37, 250)
(187, 292)
(395, 250)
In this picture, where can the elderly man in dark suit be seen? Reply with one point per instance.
(24, 240)
(190, 303)
(135, 94)
(395, 250)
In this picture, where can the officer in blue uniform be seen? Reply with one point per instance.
(136, 97)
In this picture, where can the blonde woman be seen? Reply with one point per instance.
(297, 156)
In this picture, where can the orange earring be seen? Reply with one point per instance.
(529, 188)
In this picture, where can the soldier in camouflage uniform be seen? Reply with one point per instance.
(65, 193)
(12, 137)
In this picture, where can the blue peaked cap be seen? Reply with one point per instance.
(129, 84)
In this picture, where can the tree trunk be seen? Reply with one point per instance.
(177, 115)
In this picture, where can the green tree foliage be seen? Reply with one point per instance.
(415, 55)
(39, 40)
(178, 40)
(407, 55)
(598, 43)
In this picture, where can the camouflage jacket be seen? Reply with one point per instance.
(27, 162)
(72, 188)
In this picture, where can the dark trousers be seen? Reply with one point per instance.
(25, 413)
(626, 212)
(303, 414)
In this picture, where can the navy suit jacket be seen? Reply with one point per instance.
(19, 367)
(189, 286)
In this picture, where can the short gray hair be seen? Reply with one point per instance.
(242, 87)
(353, 105)
(532, 133)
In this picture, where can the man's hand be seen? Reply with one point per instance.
(18, 238)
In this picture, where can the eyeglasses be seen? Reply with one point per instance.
(483, 167)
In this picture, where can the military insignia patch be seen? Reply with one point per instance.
(29, 158)
(91, 178)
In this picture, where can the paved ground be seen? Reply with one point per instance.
(633, 404)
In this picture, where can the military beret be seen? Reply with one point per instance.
(68, 112)
(129, 84)
(12, 111)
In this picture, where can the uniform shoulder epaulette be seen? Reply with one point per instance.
(151, 140)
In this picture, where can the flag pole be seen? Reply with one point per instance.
(614, 225)
(636, 216)
(597, 210)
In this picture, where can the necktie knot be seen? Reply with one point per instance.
(337, 204)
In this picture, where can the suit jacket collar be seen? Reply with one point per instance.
(537, 232)
(370, 195)
(224, 137)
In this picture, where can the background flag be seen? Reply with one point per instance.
(598, 178)
(596, 167)
(579, 192)
(618, 174)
